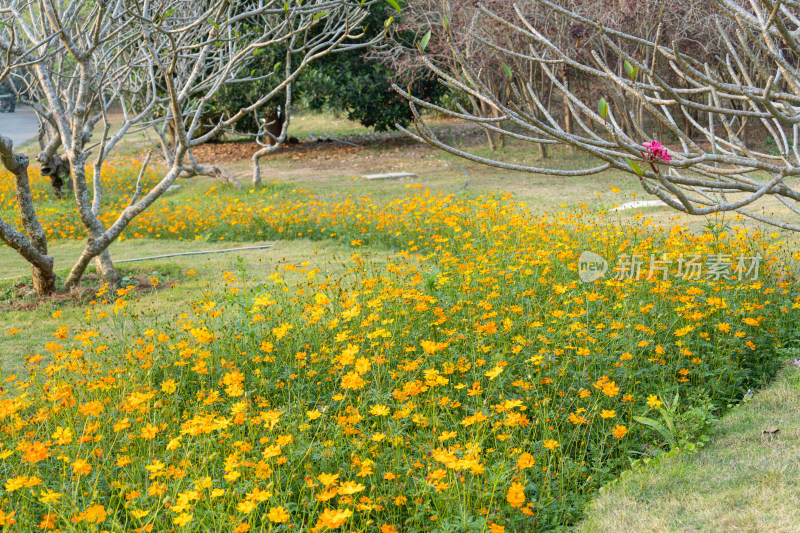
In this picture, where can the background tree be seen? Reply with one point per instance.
(711, 167)
(685, 22)
(356, 83)
(124, 66)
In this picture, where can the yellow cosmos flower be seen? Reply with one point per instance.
(278, 515)
(494, 372)
(350, 487)
(379, 410)
(654, 402)
(328, 479)
(182, 519)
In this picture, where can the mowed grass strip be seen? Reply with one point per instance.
(746, 479)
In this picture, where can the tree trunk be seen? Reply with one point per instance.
(94, 227)
(501, 139)
(32, 247)
(102, 261)
(44, 281)
(274, 127)
(543, 153)
(568, 125)
(277, 128)
(480, 110)
(105, 267)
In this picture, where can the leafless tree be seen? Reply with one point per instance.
(96, 71)
(757, 79)
(685, 22)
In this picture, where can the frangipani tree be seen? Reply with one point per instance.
(95, 71)
(716, 169)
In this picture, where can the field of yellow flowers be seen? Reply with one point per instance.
(471, 383)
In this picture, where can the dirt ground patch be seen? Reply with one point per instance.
(329, 147)
(23, 298)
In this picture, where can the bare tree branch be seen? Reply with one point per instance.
(698, 104)
(155, 67)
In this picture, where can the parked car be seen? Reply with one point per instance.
(8, 102)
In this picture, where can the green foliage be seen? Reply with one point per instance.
(351, 83)
(635, 166)
(423, 43)
(602, 107)
(359, 86)
(361, 89)
(685, 429)
(632, 72)
(771, 145)
(394, 5)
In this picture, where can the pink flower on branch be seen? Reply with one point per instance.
(656, 152)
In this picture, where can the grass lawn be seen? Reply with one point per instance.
(746, 479)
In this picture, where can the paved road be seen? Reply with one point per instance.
(21, 125)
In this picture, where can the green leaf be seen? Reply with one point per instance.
(6, 24)
(664, 432)
(424, 42)
(446, 22)
(388, 22)
(507, 70)
(168, 13)
(635, 166)
(394, 5)
(602, 106)
(320, 15)
(632, 72)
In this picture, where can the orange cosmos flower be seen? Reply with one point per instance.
(93, 408)
(81, 467)
(525, 460)
(516, 495)
(95, 514)
(333, 518)
(149, 432)
(36, 452)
